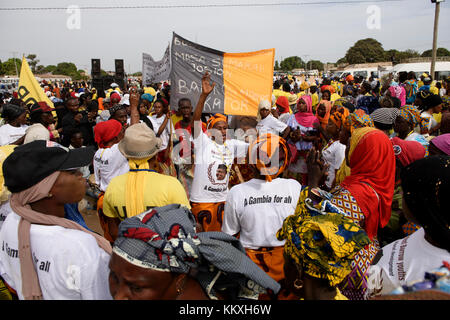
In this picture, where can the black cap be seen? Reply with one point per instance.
(32, 162)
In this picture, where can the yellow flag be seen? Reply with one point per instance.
(29, 89)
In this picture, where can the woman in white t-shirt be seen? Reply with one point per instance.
(426, 186)
(268, 123)
(13, 132)
(257, 208)
(213, 153)
(108, 162)
(44, 255)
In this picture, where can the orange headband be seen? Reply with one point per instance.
(216, 118)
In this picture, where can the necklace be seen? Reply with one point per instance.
(228, 152)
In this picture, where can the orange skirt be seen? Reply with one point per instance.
(102, 218)
(271, 260)
(209, 215)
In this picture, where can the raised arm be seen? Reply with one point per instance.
(207, 87)
(134, 105)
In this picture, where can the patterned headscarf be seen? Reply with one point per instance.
(165, 239)
(214, 119)
(339, 116)
(322, 240)
(398, 92)
(262, 152)
(358, 119)
(412, 115)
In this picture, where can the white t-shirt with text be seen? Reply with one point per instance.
(404, 261)
(69, 263)
(210, 183)
(256, 209)
(109, 163)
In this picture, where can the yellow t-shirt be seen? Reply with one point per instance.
(277, 93)
(315, 99)
(160, 190)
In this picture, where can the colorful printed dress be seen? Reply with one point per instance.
(355, 286)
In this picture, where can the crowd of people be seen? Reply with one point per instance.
(337, 189)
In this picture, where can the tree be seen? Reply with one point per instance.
(440, 52)
(365, 50)
(9, 68)
(397, 56)
(290, 63)
(277, 65)
(32, 62)
(315, 65)
(49, 69)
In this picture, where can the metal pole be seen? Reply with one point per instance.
(435, 34)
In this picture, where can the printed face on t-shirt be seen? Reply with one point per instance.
(221, 173)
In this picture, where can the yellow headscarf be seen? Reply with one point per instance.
(323, 244)
(134, 198)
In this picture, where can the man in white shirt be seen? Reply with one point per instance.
(257, 208)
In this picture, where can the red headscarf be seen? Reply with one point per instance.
(372, 177)
(407, 151)
(283, 103)
(106, 131)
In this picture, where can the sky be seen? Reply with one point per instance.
(312, 31)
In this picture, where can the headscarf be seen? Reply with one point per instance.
(262, 152)
(283, 103)
(20, 204)
(323, 244)
(306, 119)
(412, 92)
(385, 115)
(358, 119)
(327, 88)
(340, 116)
(116, 108)
(147, 96)
(411, 114)
(215, 119)
(165, 239)
(304, 85)
(407, 151)
(442, 142)
(367, 103)
(324, 120)
(371, 182)
(398, 92)
(106, 131)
